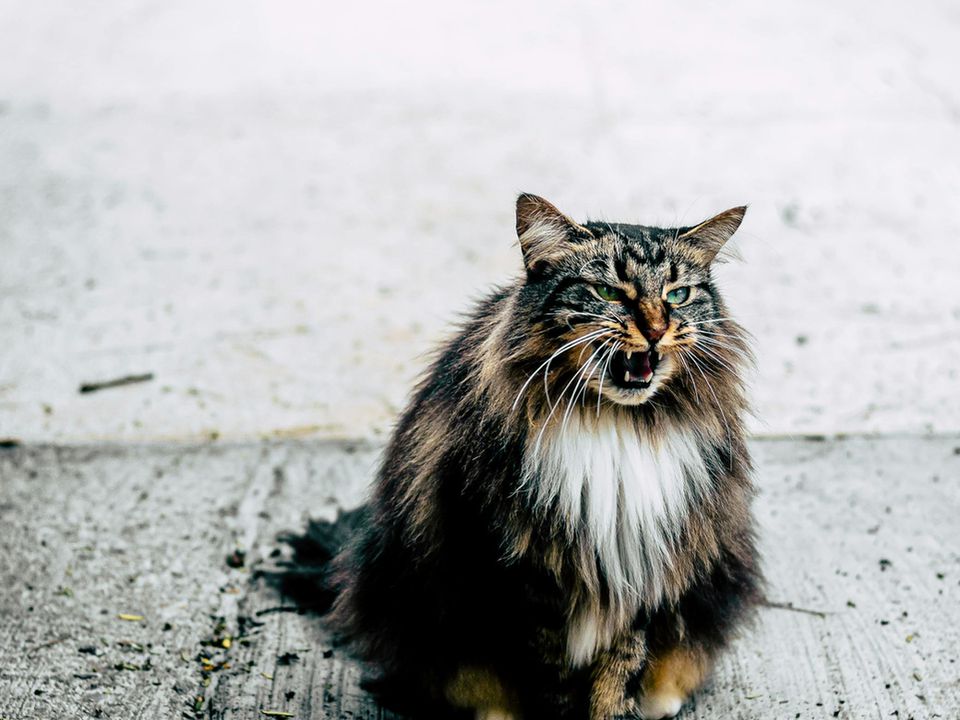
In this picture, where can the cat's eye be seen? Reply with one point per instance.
(610, 294)
(678, 296)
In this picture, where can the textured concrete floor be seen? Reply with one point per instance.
(859, 535)
(277, 210)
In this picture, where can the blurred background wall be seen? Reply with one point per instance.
(277, 207)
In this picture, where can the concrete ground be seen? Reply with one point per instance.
(276, 210)
(118, 594)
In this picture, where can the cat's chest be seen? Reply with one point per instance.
(624, 492)
(628, 496)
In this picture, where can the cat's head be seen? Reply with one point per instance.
(624, 310)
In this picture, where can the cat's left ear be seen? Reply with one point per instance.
(708, 238)
(546, 235)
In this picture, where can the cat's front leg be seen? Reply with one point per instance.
(629, 681)
(614, 673)
(495, 714)
(483, 691)
(684, 640)
(671, 676)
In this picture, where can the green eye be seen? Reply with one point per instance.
(678, 296)
(610, 294)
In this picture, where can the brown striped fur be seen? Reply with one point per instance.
(530, 551)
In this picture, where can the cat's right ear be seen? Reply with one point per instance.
(546, 235)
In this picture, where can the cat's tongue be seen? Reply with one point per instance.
(639, 368)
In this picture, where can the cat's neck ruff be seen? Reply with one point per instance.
(628, 490)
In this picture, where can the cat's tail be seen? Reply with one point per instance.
(307, 577)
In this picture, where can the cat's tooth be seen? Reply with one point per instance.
(629, 354)
(626, 376)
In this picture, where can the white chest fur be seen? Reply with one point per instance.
(630, 494)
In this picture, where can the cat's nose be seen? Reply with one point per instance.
(654, 332)
(651, 319)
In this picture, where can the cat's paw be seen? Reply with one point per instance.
(654, 706)
(493, 714)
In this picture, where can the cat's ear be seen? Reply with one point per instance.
(708, 238)
(546, 234)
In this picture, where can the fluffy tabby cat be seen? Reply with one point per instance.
(561, 525)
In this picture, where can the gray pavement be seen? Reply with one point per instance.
(859, 536)
(278, 210)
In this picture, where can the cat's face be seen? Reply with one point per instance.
(630, 306)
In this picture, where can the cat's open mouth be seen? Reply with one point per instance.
(632, 369)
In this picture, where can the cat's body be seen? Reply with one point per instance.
(565, 538)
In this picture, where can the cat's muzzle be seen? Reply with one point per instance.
(632, 369)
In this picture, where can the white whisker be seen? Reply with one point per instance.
(693, 380)
(546, 370)
(608, 318)
(706, 322)
(723, 416)
(553, 408)
(578, 388)
(606, 368)
(567, 346)
(706, 347)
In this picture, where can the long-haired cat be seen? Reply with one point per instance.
(561, 525)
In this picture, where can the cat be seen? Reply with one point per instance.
(561, 525)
